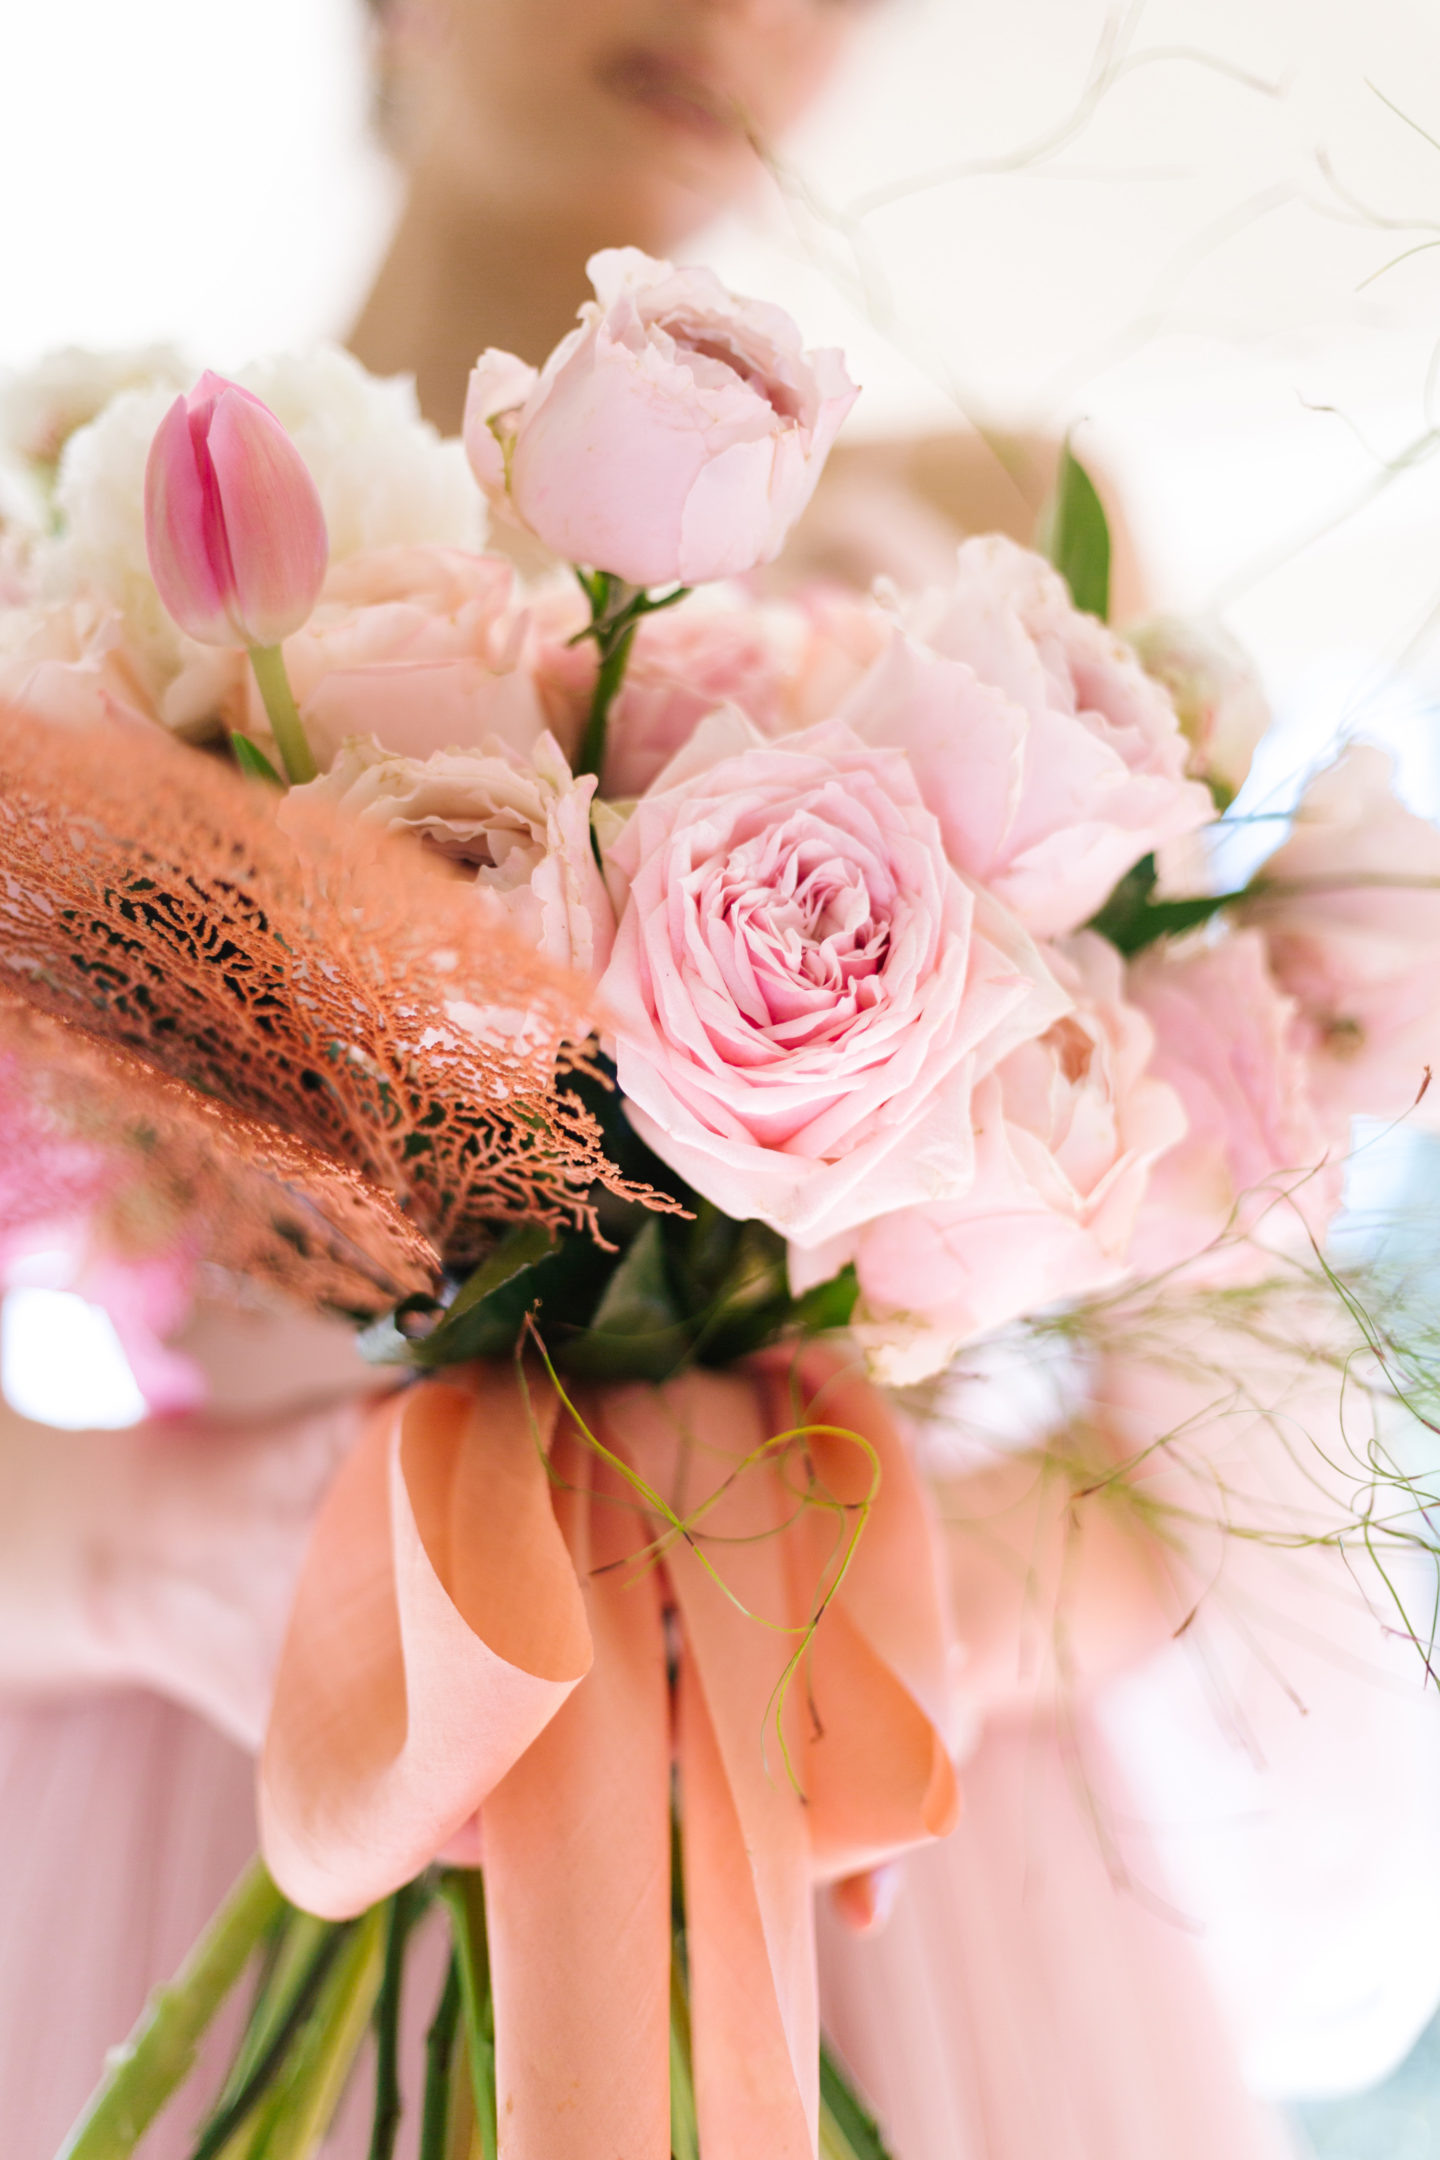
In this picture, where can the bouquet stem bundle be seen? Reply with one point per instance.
(319, 1987)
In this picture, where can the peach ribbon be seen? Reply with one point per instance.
(481, 1626)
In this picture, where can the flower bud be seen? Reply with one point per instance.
(233, 524)
(674, 437)
(1216, 691)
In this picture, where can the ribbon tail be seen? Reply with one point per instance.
(756, 2048)
(437, 1629)
(577, 1873)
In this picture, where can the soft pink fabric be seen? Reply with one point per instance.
(233, 523)
(803, 992)
(1051, 759)
(1067, 1129)
(123, 1822)
(677, 434)
(1352, 930)
(1029, 2001)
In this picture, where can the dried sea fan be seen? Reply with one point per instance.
(339, 1051)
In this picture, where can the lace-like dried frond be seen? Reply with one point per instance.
(159, 1166)
(333, 985)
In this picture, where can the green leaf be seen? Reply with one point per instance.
(638, 1331)
(847, 2130)
(1075, 535)
(1132, 918)
(252, 760)
(518, 1250)
(829, 1304)
(478, 1322)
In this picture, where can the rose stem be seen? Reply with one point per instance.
(405, 1909)
(160, 2052)
(302, 2107)
(268, 2063)
(268, 662)
(464, 1892)
(439, 2049)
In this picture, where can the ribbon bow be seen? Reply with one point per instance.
(481, 1630)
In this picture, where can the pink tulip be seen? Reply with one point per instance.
(233, 524)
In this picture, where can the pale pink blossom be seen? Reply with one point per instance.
(1067, 1129)
(233, 524)
(1217, 693)
(1350, 911)
(425, 649)
(676, 434)
(685, 664)
(1258, 1153)
(1051, 759)
(785, 664)
(803, 992)
(520, 825)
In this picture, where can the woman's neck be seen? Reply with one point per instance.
(456, 279)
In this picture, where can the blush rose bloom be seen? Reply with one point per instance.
(1229, 1042)
(1356, 941)
(785, 663)
(423, 648)
(1051, 759)
(521, 825)
(676, 434)
(803, 992)
(1067, 1129)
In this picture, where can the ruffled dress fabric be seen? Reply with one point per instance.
(1032, 1996)
(1021, 2003)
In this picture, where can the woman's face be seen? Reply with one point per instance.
(648, 115)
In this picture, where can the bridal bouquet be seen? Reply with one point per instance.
(669, 1022)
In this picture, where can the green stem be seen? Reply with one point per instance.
(160, 2053)
(405, 1908)
(847, 2129)
(268, 662)
(227, 2119)
(464, 1893)
(299, 1937)
(614, 641)
(684, 2127)
(303, 2104)
(439, 2052)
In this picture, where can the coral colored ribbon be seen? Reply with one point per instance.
(481, 1626)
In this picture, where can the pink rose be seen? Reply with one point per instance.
(677, 434)
(803, 992)
(1227, 1040)
(423, 648)
(1217, 692)
(1051, 759)
(1356, 941)
(785, 664)
(520, 825)
(1067, 1128)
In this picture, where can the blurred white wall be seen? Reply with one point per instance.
(1171, 258)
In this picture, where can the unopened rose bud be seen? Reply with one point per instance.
(233, 524)
(674, 437)
(1216, 691)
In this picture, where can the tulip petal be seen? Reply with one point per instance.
(272, 518)
(192, 585)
